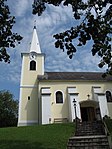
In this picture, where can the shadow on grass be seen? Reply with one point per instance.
(9, 144)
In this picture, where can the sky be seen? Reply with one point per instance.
(53, 20)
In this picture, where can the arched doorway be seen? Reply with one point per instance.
(88, 110)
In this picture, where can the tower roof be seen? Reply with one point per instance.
(35, 46)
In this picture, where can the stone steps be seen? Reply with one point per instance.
(90, 128)
(89, 135)
(88, 142)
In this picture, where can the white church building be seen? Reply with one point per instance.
(47, 97)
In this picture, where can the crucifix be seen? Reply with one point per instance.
(88, 96)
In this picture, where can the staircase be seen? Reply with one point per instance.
(90, 128)
(89, 135)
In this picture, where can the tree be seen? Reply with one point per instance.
(95, 24)
(8, 39)
(8, 109)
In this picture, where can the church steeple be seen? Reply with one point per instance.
(35, 46)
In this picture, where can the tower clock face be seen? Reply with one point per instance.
(32, 56)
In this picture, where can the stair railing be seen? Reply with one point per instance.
(107, 134)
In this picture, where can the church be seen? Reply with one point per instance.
(51, 97)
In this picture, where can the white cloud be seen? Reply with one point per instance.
(20, 7)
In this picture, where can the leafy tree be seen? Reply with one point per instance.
(7, 37)
(8, 109)
(95, 24)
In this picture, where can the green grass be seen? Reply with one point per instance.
(53, 136)
(109, 125)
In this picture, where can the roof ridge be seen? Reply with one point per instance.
(72, 72)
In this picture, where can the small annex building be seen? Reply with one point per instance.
(47, 97)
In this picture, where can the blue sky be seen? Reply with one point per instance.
(52, 21)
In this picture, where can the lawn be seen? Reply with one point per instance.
(109, 125)
(53, 136)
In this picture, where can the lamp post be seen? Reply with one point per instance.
(74, 102)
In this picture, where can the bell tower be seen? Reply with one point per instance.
(35, 55)
(32, 66)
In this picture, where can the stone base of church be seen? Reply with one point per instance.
(27, 123)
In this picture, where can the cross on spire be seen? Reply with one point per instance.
(35, 24)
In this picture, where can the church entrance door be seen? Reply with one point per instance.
(87, 113)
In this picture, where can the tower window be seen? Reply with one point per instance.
(109, 96)
(59, 97)
(32, 65)
(28, 97)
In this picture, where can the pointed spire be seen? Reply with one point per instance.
(35, 46)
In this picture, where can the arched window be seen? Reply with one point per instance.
(59, 97)
(109, 96)
(32, 65)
